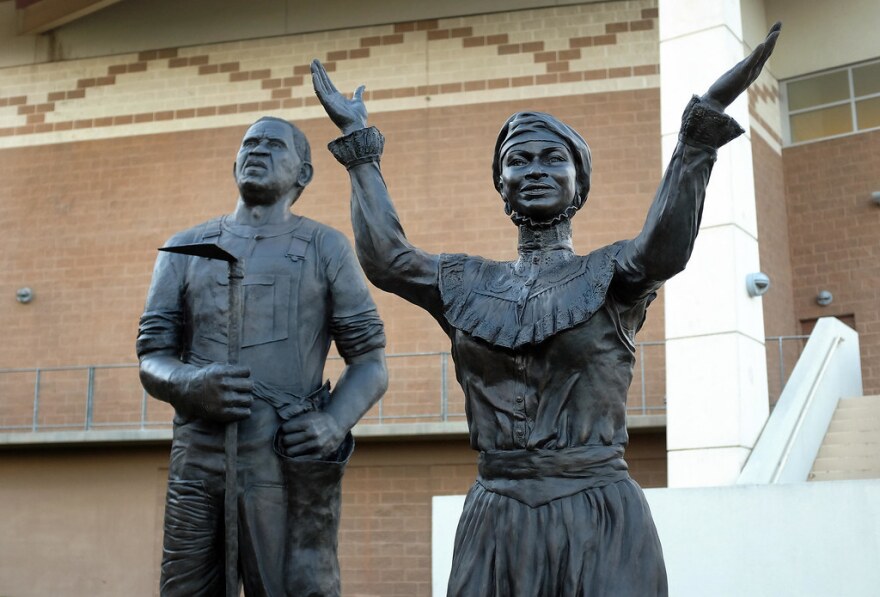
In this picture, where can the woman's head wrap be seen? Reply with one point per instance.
(534, 126)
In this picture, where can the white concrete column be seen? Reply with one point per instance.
(716, 376)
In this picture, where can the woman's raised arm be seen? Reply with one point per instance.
(664, 246)
(389, 260)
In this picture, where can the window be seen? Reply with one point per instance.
(833, 103)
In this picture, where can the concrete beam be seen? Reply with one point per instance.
(42, 15)
(367, 432)
(95, 436)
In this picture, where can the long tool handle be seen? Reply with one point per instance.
(230, 508)
(230, 504)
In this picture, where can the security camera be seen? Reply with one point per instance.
(757, 283)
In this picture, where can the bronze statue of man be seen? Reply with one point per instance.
(302, 288)
(544, 346)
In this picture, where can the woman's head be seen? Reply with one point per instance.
(541, 168)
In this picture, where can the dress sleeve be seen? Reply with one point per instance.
(389, 260)
(354, 321)
(664, 246)
(160, 330)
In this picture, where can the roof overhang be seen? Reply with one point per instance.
(39, 16)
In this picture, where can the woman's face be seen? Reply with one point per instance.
(538, 179)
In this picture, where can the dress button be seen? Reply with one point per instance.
(519, 399)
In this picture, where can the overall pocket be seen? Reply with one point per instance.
(266, 308)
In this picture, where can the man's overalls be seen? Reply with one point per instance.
(288, 508)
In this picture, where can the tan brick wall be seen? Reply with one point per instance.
(102, 153)
(101, 536)
(85, 220)
(385, 536)
(835, 245)
(494, 57)
(81, 521)
(646, 456)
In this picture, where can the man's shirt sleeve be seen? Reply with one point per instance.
(354, 321)
(161, 325)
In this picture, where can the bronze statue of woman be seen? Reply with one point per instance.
(544, 346)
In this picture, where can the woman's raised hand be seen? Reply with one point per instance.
(348, 114)
(732, 83)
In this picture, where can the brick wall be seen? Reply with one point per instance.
(103, 207)
(494, 57)
(833, 227)
(384, 541)
(113, 154)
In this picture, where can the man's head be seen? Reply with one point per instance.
(273, 163)
(541, 169)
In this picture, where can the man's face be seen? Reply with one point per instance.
(267, 165)
(538, 179)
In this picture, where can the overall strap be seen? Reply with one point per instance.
(300, 239)
(211, 230)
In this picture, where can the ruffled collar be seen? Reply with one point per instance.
(513, 304)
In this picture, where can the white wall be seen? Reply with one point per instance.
(797, 540)
(445, 512)
(807, 539)
(820, 34)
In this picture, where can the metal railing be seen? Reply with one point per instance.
(84, 375)
(782, 354)
(397, 404)
(110, 396)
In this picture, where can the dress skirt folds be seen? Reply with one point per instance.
(570, 532)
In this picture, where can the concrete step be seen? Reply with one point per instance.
(851, 448)
(864, 424)
(856, 462)
(853, 408)
(856, 443)
(841, 475)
